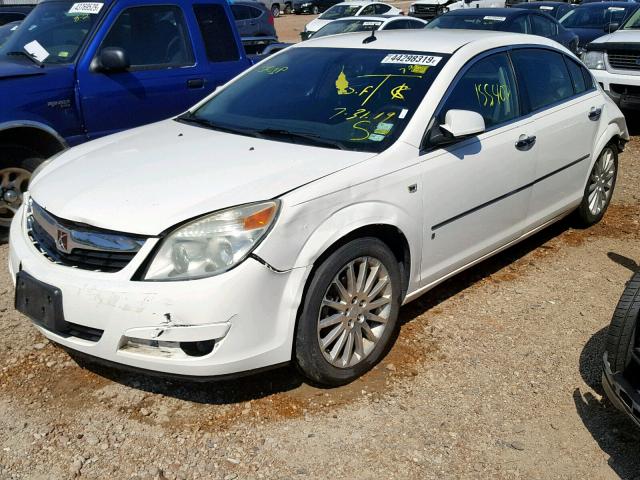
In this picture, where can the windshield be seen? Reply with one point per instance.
(633, 22)
(594, 17)
(339, 11)
(347, 26)
(470, 22)
(346, 98)
(54, 31)
(7, 30)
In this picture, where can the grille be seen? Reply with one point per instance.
(103, 251)
(624, 60)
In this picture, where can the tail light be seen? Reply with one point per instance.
(270, 19)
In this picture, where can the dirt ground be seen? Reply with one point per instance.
(494, 374)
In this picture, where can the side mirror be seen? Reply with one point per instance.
(611, 27)
(113, 59)
(459, 124)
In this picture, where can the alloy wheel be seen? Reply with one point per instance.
(13, 184)
(354, 312)
(601, 181)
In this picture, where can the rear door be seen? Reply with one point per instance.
(565, 106)
(163, 80)
(476, 192)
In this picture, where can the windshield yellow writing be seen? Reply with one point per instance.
(492, 94)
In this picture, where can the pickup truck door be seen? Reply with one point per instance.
(173, 63)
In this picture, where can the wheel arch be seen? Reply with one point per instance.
(33, 136)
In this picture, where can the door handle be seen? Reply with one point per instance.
(594, 113)
(525, 143)
(195, 83)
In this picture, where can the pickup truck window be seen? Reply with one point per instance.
(57, 28)
(154, 36)
(217, 34)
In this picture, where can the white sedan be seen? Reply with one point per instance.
(368, 24)
(257, 230)
(354, 8)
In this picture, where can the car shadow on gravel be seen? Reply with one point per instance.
(286, 379)
(615, 434)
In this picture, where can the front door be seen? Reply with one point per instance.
(164, 78)
(476, 192)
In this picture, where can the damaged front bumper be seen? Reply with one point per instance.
(242, 320)
(621, 392)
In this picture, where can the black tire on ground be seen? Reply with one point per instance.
(622, 336)
(315, 10)
(287, 8)
(307, 350)
(583, 216)
(275, 10)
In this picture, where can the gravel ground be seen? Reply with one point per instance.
(495, 373)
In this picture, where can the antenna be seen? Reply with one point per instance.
(372, 37)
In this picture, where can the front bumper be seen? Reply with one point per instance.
(621, 392)
(624, 89)
(249, 312)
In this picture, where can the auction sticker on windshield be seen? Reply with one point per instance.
(495, 19)
(86, 7)
(37, 51)
(405, 59)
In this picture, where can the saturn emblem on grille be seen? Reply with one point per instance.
(62, 241)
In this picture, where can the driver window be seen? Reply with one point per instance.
(488, 88)
(368, 10)
(153, 36)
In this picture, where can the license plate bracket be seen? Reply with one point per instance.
(41, 302)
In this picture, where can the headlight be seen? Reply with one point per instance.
(212, 244)
(594, 60)
(412, 9)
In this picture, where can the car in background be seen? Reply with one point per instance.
(321, 190)
(594, 20)
(312, 6)
(429, 9)
(14, 13)
(621, 361)
(367, 24)
(554, 9)
(73, 72)
(7, 30)
(584, 2)
(253, 19)
(276, 7)
(516, 20)
(614, 61)
(349, 9)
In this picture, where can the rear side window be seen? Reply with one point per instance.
(588, 78)
(489, 88)
(579, 84)
(380, 9)
(217, 34)
(397, 25)
(152, 36)
(254, 12)
(543, 26)
(519, 25)
(368, 10)
(543, 77)
(240, 12)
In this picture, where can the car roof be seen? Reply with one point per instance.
(372, 18)
(608, 4)
(494, 12)
(354, 2)
(534, 5)
(250, 3)
(443, 41)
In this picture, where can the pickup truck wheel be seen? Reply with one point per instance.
(349, 313)
(623, 336)
(275, 10)
(599, 189)
(14, 182)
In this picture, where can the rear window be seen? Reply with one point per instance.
(470, 22)
(217, 35)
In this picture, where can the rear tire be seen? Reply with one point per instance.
(315, 10)
(287, 8)
(622, 336)
(599, 189)
(275, 10)
(340, 333)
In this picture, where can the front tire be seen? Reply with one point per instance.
(623, 335)
(275, 10)
(315, 10)
(349, 314)
(16, 166)
(599, 188)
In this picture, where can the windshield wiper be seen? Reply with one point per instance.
(29, 56)
(307, 138)
(203, 122)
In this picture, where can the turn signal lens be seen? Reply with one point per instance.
(260, 219)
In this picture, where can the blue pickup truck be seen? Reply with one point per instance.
(75, 71)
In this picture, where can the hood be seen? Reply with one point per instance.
(316, 24)
(586, 35)
(620, 36)
(151, 178)
(10, 68)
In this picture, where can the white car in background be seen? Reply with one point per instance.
(614, 60)
(349, 9)
(260, 229)
(368, 24)
(430, 9)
